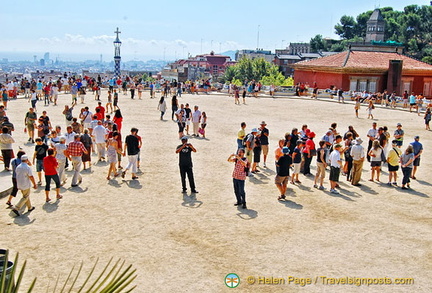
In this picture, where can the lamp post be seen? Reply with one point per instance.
(117, 57)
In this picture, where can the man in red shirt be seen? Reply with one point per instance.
(74, 152)
(50, 165)
(100, 113)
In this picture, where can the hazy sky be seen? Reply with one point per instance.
(169, 29)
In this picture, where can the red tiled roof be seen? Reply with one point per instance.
(365, 60)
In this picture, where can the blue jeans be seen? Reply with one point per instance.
(240, 144)
(239, 191)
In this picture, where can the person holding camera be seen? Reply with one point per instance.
(241, 169)
(185, 163)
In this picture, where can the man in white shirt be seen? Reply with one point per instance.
(335, 166)
(357, 153)
(100, 134)
(60, 149)
(86, 117)
(371, 134)
(25, 179)
(196, 119)
(69, 135)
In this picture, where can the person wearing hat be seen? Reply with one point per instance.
(418, 150)
(25, 180)
(281, 179)
(250, 144)
(308, 152)
(358, 154)
(393, 162)
(264, 141)
(399, 134)
(185, 164)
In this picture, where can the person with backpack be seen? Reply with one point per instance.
(249, 143)
(241, 169)
(393, 162)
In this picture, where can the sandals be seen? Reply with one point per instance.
(59, 196)
(9, 203)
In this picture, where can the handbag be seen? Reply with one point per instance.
(200, 131)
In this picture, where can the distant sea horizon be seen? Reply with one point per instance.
(71, 57)
(80, 57)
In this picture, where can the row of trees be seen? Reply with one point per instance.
(412, 27)
(255, 69)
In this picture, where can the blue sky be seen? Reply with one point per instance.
(168, 29)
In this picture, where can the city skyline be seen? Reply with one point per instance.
(86, 29)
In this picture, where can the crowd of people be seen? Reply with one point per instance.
(341, 154)
(99, 132)
(88, 131)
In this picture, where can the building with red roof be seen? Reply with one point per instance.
(370, 66)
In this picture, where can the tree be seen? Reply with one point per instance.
(317, 44)
(412, 27)
(254, 69)
(346, 28)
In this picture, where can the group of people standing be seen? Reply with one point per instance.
(341, 154)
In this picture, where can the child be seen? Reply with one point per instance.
(203, 124)
(357, 105)
(39, 154)
(370, 109)
(296, 158)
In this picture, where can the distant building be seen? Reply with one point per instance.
(194, 68)
(47, 57)
(252, 54)
(284, 59)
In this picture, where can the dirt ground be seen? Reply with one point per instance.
(186, 243)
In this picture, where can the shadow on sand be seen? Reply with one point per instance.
(246, 214)
(190, 201)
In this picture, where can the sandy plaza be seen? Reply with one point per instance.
(191, 242)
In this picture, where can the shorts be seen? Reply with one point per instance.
(257, 154)
(181, 126)
(30, 127)
(334, 174)
(416, 162)
(87, 125)
(188, 122)
(281, 180)
(375, 163)
(39, 165)
(265, 149)
(296, 168)
(412, 104)
(249, 155)
(320, 170)
(392, 168)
